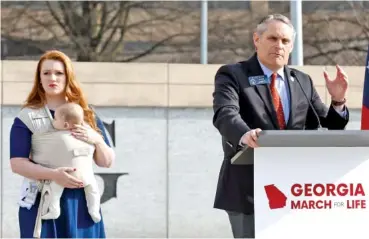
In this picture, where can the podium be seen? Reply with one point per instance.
(310, 184)
(303, 138)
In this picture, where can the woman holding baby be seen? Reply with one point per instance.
(55, 85)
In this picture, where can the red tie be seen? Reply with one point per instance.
(277, 102)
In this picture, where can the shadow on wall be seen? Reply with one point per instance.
(110, 179)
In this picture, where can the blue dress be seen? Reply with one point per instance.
(74, 220)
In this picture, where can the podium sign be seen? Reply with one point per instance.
(319, 191)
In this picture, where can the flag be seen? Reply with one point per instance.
(365, 106)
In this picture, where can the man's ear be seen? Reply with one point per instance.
(292, 44)
(256, 39)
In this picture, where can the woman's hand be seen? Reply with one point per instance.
(86, 134)
(104, 155)
(63, 178)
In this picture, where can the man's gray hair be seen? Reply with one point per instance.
(263, 25)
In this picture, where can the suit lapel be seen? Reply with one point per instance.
(254, 69)
(294, 90)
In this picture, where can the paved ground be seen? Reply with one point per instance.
(172, 168)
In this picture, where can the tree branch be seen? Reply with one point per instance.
(156, 45)
(335, 51)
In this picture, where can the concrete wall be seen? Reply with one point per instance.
(154, 84)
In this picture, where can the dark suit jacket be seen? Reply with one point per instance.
(239, 107)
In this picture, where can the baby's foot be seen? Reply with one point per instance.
(96, 217)
(53, 213)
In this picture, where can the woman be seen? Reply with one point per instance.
(54, 85)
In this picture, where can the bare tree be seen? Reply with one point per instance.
(170, 31)
(229, 37)
(331, 36)
(340, 37)
(96, 30)
(334, 33)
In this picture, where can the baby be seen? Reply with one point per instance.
(67, 115)
(65, 150)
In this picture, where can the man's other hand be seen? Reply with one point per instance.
(251, 137)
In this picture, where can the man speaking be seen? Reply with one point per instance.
(263, 93)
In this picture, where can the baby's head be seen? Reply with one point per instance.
(67, 115)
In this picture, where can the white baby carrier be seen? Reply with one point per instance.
(45, 152)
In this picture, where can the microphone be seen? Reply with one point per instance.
(293, 74)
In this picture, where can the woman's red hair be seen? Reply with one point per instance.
(73, 92)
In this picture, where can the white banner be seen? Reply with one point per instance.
(311, 193)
